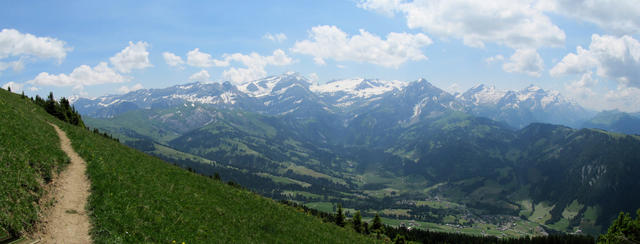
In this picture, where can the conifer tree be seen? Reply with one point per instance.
(623, 230)
(357, 222)
(340, 216)
(9, 88)
(377, 223)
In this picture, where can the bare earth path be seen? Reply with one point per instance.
(68, 221)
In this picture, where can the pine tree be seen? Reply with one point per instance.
(9, 88)
(340, 216)
(377, 223)
(51, 106)
(357, 222)
(623, 230)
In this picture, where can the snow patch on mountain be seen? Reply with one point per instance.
(362, 88)
(481, 94)
(265, 87)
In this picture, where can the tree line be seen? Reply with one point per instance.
(63, 110)
(403, 235)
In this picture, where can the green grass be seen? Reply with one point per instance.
(526, 208)
(3, 235)
(138, 198)
(541, 213)
(322, 206)
(29, 157)
(572, 210)
(172, 153)
(283, 180)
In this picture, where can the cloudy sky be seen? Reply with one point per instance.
(588, 50)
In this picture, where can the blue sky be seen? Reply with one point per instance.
(587, 50)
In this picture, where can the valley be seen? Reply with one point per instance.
(410, 152)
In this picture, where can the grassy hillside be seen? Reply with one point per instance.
(137, 198)
(29, 156)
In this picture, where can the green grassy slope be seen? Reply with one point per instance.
(137, 198)
(29, 155)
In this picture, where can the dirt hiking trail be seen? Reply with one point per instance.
(68, 221)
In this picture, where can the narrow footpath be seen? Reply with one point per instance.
(68, 221)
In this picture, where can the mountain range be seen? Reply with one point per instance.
(293, 93)
(407, 150)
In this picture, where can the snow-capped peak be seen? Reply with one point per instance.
(359, 87)
(72, 99)
(266, 86)
(482, 94)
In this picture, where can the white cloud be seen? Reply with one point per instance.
(202, 76)
(255, 65)
(575, 63)
(279, 37)
(81, 76)
(492, 59)
(203, 60)
(526, 61)
(172, 59)
(582, 90)
(612, 57)
(623, 98)
(15, 65)
(254, 62)
(517, 24)
(329, 42)
(15, 87)
(313, 77)
(386, 7)
(125, 89)
(620, 17)
(134, 56)
(16, 44)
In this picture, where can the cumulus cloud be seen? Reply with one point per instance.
(20, 47)
(15, 65)
(329, 42)
(582, 89)
(134, 56)
(525, 61)
(517, 24)
(612, 57)
(279, 37)
(203, 60)
(125, 89)
(15, 87)
(81, 76)
(313, 77)
(172, 59)
(623, 98)
(493, 59)
(620, 17)
(255, 65)
(16, 44)
(203, 76)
